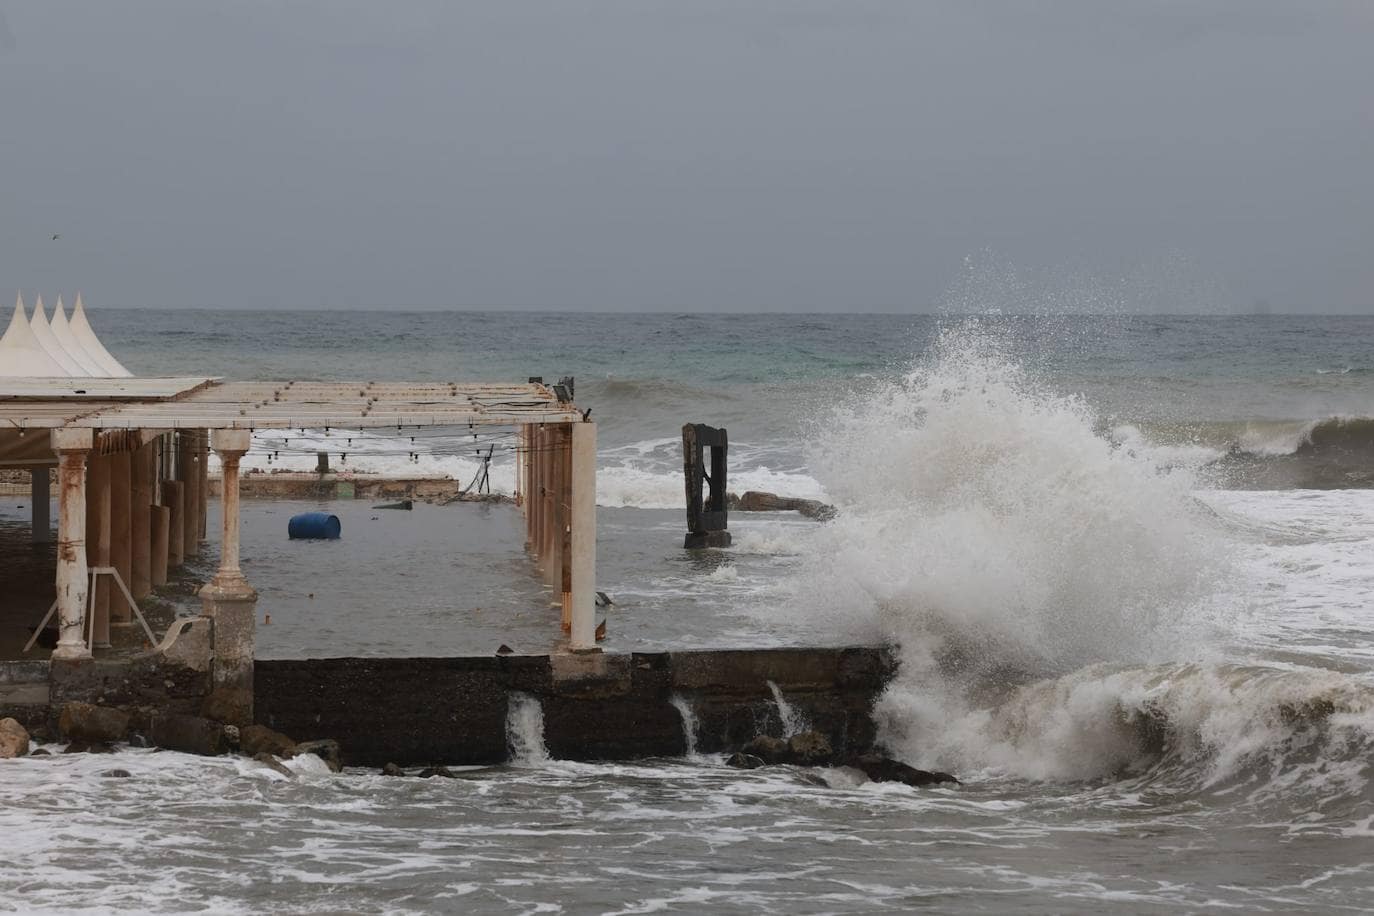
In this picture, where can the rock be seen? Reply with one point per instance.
(272, 763)
(190, 734)
(885, 769)
(768, 749)
(258, 739)
(811, 778)
(88, 747)
(445, 772)
(742, 761)
(228, 705)
(87, 722)
(14, 739)
(116, 774)
(392, 769)
(327, 749)
(137, 740)
(41, 752)
(810, 749)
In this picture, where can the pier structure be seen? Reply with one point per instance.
(132, 458)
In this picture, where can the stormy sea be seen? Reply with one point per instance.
(1126, 563)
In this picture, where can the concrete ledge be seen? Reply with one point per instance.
(598, 707)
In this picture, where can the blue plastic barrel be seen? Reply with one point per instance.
(314, 526)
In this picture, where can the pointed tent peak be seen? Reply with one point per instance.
(48, 340)
(38, 305)
(22, 354)
(18, 317)
(81, 329)
(67, 339)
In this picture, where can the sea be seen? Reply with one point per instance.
(1126, 561)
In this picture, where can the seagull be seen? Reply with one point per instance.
(56, 236)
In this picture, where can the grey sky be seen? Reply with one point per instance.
(685, 155)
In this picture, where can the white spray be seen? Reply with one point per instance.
(988, 530)
(689, 722)
(525, 730)
(793, 721)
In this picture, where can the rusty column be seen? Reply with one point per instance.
(203, 482)
(140, 512)
(98, 545)
(40, 504)
(121, 534)
(73, 577)
(188, 473)
(173, 492)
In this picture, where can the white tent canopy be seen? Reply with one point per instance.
(38, 348)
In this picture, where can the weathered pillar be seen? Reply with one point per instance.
(141, 534)
(40, 499)
(203, 483)
(172, 493)
(73, 577)
(532, 498)
(550, 504)
(228, 598)
(98, 545)
(159, 519)
(189, 474)
(121, 534)
(583, 537)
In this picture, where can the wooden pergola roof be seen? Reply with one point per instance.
(210, 404)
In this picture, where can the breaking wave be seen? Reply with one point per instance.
(1056, 594)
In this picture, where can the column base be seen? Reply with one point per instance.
(233, 606)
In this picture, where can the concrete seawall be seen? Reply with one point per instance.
(413, 711)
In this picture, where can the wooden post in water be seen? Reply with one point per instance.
(707, 520)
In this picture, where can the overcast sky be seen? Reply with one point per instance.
(687, 155)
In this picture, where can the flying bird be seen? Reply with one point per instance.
(56, 236)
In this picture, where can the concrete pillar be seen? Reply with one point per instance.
(159, 522)
(583, 536)
(141, 528)
(172, 493)
(121, 534)
(98, 545)
(40, 509)
(203, 483)
(228, 598)
(189, 474)
(73, 576)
